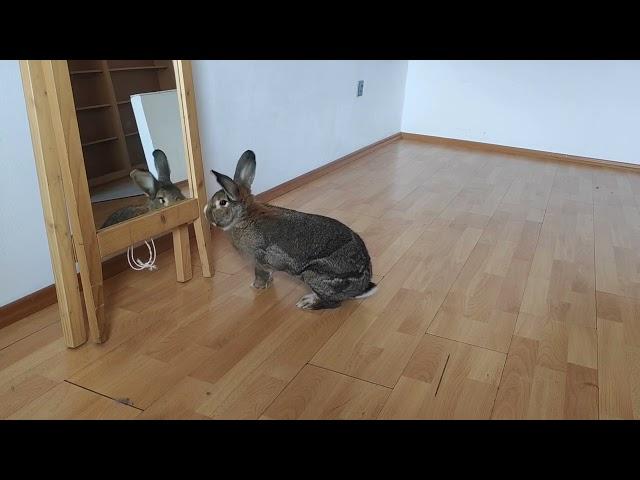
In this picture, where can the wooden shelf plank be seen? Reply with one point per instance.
(123, 102)
(130, 134)
(85, 72)
(141, 68)
(93, 107)
(102, 140)
(109, 177)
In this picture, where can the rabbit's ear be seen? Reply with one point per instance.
(246, 169)
(229, 186)
(162, 165)
(146, 181)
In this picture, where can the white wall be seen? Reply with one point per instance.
(25, 265)
(585, 108)
(295, 115)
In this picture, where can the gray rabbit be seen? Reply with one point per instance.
(161, 191)
(325, 254)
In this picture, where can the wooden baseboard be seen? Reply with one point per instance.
(44, 297)
(492, 147)
(308, 177)
(25, 306)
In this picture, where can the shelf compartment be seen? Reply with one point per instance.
(108, 178)
(135, 82)
(84, 65)
(96, 124)
(130, 63)
(101, 162)
(136, 153)
(89, 90)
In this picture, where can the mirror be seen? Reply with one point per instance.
(131, 134)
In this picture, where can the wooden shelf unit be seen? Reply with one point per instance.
(108, 130)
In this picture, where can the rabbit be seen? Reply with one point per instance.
(161, 192)
(329, 257)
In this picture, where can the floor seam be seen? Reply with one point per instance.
(29, 334)
(350, 376)
(442, 375)
(105, 396)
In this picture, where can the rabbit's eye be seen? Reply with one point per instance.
(223, 203)
(162, 200)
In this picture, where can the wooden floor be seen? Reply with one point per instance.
(509, 289)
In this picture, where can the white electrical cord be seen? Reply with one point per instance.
(137, 264)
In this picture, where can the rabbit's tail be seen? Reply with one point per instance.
(371, 289)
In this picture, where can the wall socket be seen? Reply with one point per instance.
(360, 87)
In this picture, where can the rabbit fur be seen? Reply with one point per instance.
(325, 254)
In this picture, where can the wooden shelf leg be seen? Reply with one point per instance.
(53, 204)
(182, 253)
(184, 82)
(72, 169)
(203, 239)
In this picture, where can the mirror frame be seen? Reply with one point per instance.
(66, 201)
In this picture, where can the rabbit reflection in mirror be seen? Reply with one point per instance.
(161, 192)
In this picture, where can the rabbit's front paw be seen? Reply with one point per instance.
(261, 283)
(308, 301)
(263, 278)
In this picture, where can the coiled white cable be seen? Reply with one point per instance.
(137, 264)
